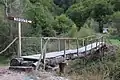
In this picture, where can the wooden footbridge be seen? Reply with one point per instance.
(89, 45)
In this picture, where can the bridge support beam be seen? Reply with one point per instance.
(62, 67)
(19, 39)
(77, 46)
(64, 49)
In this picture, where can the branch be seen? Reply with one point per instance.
(23, 10)
(4, 3)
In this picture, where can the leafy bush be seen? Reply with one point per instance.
(108, 67)
(116, 21)
(114, 74)
(63, 24)
(73, 31)
(85, 31)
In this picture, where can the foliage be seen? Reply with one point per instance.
(91, 23)
(63, 24)
(112, 31)
(116, 20)
(78, 13)
(4, 61)
(100, 11)
(73, 31)
(68, 18)
(114, 73)
(106, 66)
(65, 4)
(115, 42)
(44, 14)
(85, 31)
(42, 21)
(116, 4)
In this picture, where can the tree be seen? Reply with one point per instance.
(116, 4)
(78, 13)
(65, 4)
(116, 21)
(64, 24)
(100, 11)
(42, 20)
(96, 9)
(8, 29)
(73, 31)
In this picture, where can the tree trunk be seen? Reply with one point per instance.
(100, 26)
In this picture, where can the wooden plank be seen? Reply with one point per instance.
(21, 68)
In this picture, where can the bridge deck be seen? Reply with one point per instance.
(67, 52)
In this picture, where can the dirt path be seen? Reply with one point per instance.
(6, 74)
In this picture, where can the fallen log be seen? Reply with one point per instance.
(16, 62)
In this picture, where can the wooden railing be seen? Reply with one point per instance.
(85, 42)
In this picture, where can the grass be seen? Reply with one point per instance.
(115, 42)
(4, 61)
(102, 68)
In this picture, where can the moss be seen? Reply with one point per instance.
(4, 60)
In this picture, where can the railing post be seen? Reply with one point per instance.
(68, 44)
(85, 43)
(63, 64)
(59, 44)
(96, 42)
(102, 46)
(99, 45)
(19, 39)
(41, 45)
(91, 47)
(44, 57)
(64, 49)
(77, 44)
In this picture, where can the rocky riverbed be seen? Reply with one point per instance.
(6, 74)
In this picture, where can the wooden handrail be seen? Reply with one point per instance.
(8, 45)
(61, 38)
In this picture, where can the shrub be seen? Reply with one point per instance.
(85, 31)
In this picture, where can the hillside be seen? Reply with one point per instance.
(62, 18)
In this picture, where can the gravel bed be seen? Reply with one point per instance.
(6, 74)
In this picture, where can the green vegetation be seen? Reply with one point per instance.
(115, 42)
(4, 61)
(61, 18)
(97, 68)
